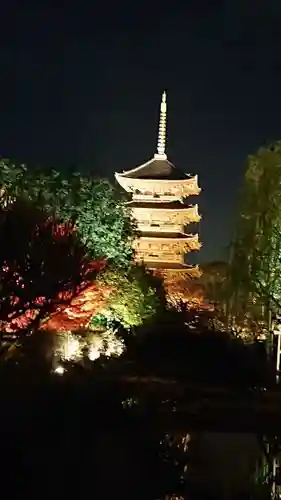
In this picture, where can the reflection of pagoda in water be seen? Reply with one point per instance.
(159, 193)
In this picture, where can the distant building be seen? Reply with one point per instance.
(159, 205)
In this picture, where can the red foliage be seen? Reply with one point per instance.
(42, 264)
(62, 229)
(187, 291)
(21, 322)
(70, 312)
(78, 312)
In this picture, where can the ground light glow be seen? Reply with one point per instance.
(59, 370)
(114, 346)
(94, 353)
(68, 347)
(107, 344)
(73, 347)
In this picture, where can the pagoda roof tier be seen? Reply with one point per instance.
(165, 266)
(158, 177)
(153, 189)
(158, 205)
(159, 168)
(168, 236)
(177, 241)
(174, 271)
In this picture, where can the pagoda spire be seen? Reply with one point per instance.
(161, 143)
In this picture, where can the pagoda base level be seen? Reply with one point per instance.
(181, 284)
(182, 288)
(169, 270)
(178, 274)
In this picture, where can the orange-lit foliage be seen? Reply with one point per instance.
(65, 302)
(185, 291)
(42, 265)
(77, 314)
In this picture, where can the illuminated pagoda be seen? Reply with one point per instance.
(159, 205)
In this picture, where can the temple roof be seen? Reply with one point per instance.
(156, 168)
(169, 265)
(170, 236)
(144, 180)
(174, 205)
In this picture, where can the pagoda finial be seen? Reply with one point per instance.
(161, 143)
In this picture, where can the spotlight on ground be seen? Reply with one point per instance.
(59, 370)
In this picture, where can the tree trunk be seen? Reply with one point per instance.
(269, 339)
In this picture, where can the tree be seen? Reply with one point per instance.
(104, 223)
(255, 267)
(42, 263)
(94, 208)
(77, 314)
(213, 280)
(136, 296)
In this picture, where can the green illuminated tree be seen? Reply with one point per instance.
(255, 271)
(94, 208)
(213, 281)
(136, 296)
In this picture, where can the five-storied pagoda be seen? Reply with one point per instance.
(159, 205)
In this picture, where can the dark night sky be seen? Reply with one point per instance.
(82, 86)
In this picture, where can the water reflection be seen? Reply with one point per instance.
(80, 434)
(221, 465)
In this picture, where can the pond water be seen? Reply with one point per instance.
(75, 441)
(83, 460)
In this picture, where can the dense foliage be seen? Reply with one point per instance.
(77, 314)
(135, 297)
(94, 208)
(213, 281)
(41, 262)
(55, 228)
(255, 271)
